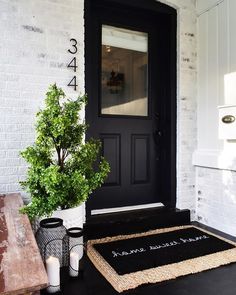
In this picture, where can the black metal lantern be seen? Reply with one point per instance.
(76, 249)
(51, 240)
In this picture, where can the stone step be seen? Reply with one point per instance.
(129, 222)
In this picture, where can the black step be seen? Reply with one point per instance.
(112, 224)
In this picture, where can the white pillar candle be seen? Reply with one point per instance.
(53, 271)
(74, 264)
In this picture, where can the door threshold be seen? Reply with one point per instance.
(126, 208)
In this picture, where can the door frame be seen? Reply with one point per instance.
(148, 6)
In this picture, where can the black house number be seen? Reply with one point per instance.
(73, 64)
(74, 46)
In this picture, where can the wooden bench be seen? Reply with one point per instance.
(21, 267)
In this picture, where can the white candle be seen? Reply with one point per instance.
(53, 271)
(74, 264)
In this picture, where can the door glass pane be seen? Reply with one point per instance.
(124, 72)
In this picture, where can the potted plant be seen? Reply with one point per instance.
(63, 169)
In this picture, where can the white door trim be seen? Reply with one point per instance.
(126, 208)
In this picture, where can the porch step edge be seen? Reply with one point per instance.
(132, 222)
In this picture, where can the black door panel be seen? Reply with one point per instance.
(140, 149)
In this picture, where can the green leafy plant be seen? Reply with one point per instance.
(63, 169)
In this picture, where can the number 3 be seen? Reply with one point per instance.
(74, 46)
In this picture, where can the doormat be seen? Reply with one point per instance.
(129, 261)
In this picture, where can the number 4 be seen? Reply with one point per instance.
(72, 83)
(72, 64)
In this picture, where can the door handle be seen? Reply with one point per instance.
(157, 141)
(156, 136)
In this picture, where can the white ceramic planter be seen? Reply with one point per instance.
(73, 217)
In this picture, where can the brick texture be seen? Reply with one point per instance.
(35, 37)
(216, 198)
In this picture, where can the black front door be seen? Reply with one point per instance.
(130, 81)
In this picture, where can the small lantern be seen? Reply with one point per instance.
(76, 249)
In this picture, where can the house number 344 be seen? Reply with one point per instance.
(72, 64)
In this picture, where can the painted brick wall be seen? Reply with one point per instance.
(186, 102)
(216, 195)
(35, 36)
(33, 53)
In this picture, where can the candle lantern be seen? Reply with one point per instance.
(53, 246)
(51, 240)
(76, 249)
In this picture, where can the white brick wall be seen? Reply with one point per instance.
(186, 102)
(216, 195)
(33, 53)
(35, 36)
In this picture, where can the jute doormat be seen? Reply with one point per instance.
(129, 261)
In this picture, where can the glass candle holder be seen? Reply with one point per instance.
(76, 249)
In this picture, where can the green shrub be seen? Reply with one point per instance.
(63, 169)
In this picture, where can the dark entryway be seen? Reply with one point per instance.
(130, 51)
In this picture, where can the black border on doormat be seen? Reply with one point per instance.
(162, 272)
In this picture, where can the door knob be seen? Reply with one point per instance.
(156, 136)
